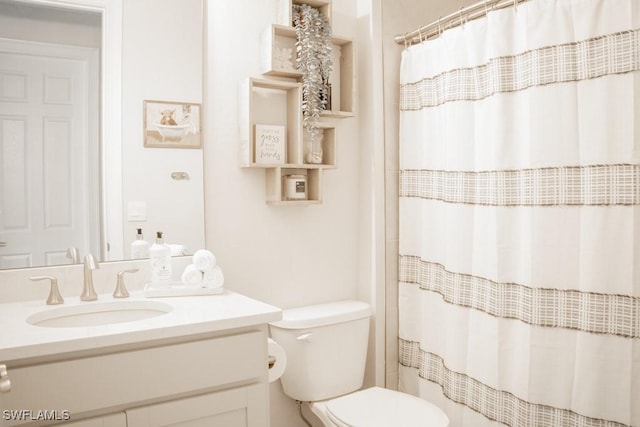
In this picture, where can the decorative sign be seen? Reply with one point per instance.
(270, 144)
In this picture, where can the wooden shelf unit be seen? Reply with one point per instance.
(270, 102)
(276, 102)
(285, 8)
(277, 37)
(275, 187)
(329, 148)
(279, 102)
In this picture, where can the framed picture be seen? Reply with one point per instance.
(172, 124)
(270, 144)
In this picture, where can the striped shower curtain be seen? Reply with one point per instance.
(519, 265)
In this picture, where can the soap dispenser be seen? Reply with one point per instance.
(139, 247)
(160, 258)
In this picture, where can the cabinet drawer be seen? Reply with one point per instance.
(122, 379)
(239, 407)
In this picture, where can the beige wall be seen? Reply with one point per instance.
(284, 255)
(399, 17)
(162, 59)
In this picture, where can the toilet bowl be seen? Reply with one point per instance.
(332, 339)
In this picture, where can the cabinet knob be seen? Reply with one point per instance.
(5, 383)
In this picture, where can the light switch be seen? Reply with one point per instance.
(137, 211)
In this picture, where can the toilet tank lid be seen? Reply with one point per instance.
(323, 314)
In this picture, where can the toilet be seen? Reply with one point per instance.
(326, 347)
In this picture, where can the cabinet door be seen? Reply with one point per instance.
(113, 420)
(241, 407)
(133, 376)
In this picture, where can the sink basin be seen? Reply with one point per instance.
(100, 313)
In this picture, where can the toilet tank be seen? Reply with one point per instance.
(326, 348)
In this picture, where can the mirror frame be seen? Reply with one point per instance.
(111, 233)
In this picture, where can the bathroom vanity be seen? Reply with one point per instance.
(196, 361)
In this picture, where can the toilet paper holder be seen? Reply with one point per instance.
(276, 360)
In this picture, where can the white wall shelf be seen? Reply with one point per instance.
(275, 63)
(329, 148)
(285, 7)
(270, 102)
(278, 101)
(275, 187)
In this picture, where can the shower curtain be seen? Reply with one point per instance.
(519, 265)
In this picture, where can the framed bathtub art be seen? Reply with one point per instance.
(172, 124)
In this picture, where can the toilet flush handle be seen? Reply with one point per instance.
(305, 337)
(5, 383)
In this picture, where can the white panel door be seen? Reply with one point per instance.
(44, 134)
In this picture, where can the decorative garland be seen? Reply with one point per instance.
(313, 60)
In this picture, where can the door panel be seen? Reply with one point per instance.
(240, 407)
(44, 137)
(113, 420)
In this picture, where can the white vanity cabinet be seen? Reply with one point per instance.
(112, 420)
(207, 379)
(239, 407)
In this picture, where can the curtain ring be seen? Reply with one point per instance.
(406, 43)
(515, 5)
(439, 26)
(486, 9)
(422, 39)
(462, 22)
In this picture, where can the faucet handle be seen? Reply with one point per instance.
(73, 255)
(121, 289)
(5, 382)
(54, 294)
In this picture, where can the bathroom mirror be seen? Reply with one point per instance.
(99, 60)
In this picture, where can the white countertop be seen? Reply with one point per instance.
(190, 315)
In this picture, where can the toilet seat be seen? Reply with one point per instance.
(380, 407)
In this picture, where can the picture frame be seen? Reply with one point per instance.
(172, 124)
(270, 144)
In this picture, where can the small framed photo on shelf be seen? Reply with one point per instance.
(172, 124)
(270, 143)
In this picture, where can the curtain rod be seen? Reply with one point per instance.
(462, 16)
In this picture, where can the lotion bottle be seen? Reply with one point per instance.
(139, 247)
(160, 258)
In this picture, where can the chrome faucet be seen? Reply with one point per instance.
(88, 292)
